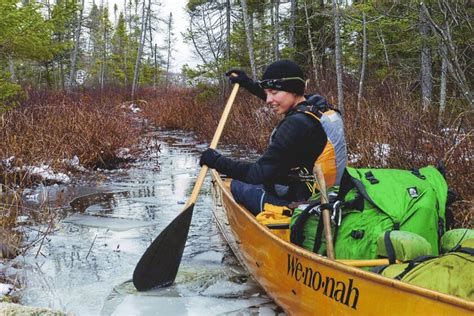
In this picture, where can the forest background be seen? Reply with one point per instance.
(70, 71)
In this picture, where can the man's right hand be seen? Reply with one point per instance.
(238, 76)
(209, 158)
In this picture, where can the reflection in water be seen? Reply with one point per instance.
(85, 267)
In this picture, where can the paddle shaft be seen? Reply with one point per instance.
(215, 140)
(366, 263)
(318, 171)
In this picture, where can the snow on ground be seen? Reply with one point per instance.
(5, 290)
(382, 152)
(134, 108)
(354, 158)
(46, 173)
(7, 163)
(75, 164)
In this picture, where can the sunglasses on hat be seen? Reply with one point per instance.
(276, 83)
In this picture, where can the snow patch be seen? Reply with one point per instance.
(382, 152)
(22, 219)
(8, 163)
(46, 173)
(6, 289)
(134, 108)
(123, 153)
(75, 164)
(354, 158)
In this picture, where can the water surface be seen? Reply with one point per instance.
(84, 265)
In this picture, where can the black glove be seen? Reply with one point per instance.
(238, 76)
(209, 158)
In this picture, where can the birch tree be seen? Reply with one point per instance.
(364, 61)
(169, 47)
(136, 71)
(311, 44)
(338, 53)
(206, 31)
(426, 66)
(275, 22)
(292, 26)
(249, 37)
(443, 79)
(228, 10)
(75, 50)
(444, 34)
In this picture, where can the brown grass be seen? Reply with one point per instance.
(177, 108)
(51, 127)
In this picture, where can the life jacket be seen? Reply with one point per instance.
(333, 159)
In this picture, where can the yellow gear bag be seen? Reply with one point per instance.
(277, 218)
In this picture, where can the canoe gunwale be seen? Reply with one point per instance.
(219, 186)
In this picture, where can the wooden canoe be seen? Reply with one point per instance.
(304, 283)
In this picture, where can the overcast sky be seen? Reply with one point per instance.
(182, 52)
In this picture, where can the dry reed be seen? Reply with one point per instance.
(52, 127)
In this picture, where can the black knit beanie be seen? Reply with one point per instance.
(286, 69)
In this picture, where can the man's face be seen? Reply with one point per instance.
(280, 101)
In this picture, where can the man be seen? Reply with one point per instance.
(310, 132)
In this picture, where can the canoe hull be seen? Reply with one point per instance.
(304, 283)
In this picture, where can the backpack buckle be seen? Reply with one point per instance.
(371, 178)
(358, 234)
(417, 173)
(336, 216)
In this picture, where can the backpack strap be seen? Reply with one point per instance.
(297, 230)
(336, 209)
(379, 269)
(462, 249)
(413, 263)
(469, 251)
(319, 234)
(345, 185)
(278, 226)
(389, 247)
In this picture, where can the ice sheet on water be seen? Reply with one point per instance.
(179, 299)
(115, 224)
(196, 305)
(210, 256)
(229, 289)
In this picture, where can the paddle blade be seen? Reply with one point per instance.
(159, 264)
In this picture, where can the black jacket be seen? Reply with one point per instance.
(297, 141)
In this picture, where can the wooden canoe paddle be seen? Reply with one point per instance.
(159, 264)
(318, 172)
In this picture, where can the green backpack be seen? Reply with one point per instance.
(370, 202)
(450, 273)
